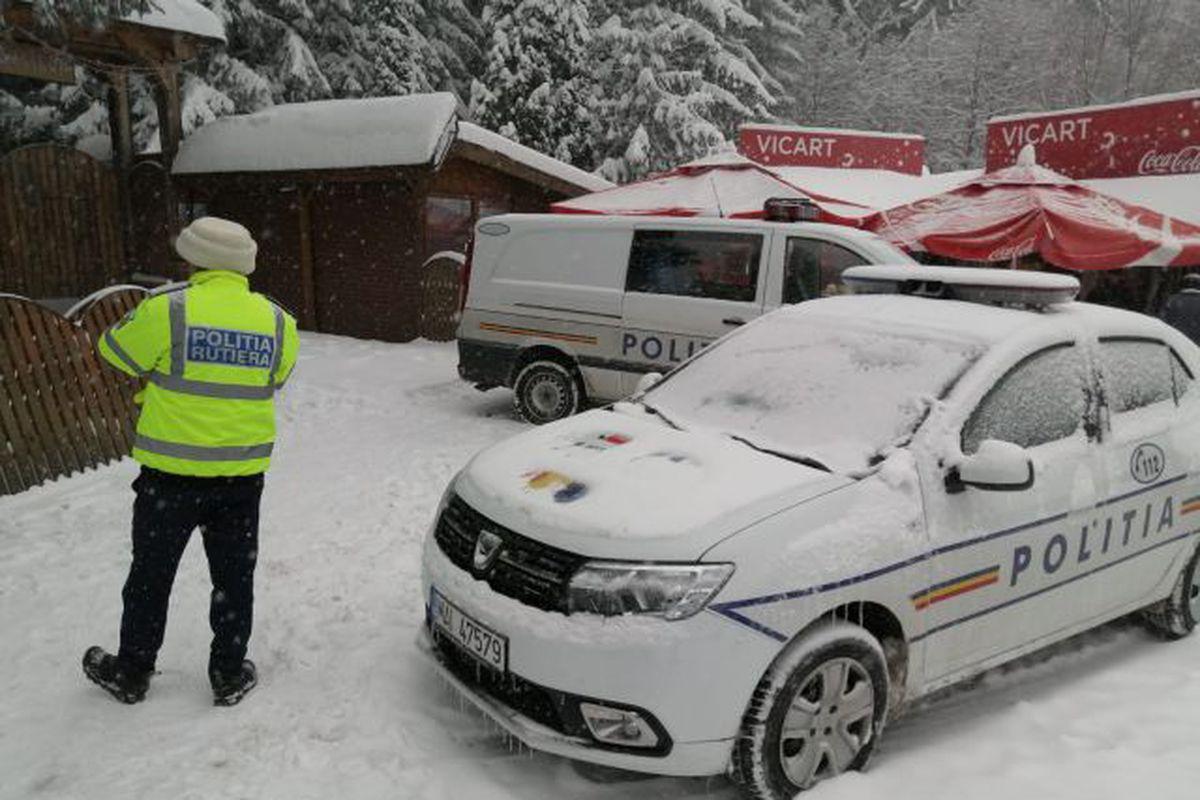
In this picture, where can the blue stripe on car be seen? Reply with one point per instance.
(729, 609)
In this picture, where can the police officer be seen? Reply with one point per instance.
(1183, 308)
(214, 354)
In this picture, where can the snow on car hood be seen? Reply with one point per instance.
(623, 485)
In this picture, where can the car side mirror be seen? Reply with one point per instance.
(996, 466)
(647, 382)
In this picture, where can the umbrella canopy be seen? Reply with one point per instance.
(726, 185)
(1026, 209)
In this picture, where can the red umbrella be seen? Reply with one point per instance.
(726, 185)
(1026, 209)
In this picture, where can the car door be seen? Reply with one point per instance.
(686, 287)
(1147, 459)
(1003, 559)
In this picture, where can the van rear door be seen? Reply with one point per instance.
(686, 287)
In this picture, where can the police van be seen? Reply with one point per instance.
(836, 509)
(569, 309)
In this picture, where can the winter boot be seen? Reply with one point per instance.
(106, 671)
(230, 688)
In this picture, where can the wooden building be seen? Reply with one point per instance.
(349, 199)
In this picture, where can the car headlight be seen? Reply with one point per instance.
(674, 591)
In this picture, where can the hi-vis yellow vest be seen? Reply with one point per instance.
(215, 354)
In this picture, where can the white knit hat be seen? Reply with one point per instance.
(214, 243)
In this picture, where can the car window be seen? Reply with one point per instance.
(1042, 399)
(813, 268)
(1138, 373)
(719, 266)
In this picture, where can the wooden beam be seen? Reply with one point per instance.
(322, 175)
(120, 43)
(498, 161)
(308, 314)
(25, 60)
(168, 98)
(120, 125)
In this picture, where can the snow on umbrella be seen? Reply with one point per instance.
(726, 185)
(1025, 209)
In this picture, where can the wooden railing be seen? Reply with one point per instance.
(62, 410)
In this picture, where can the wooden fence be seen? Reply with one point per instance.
(60, 230)
(62, 410)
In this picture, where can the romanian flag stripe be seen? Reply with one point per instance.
(1191, 504)
(953, 588)
(574, 338)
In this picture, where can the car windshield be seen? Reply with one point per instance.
(821, 388)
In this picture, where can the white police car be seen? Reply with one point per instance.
(834, 510)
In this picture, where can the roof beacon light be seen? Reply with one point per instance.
(1004, 287)
(791, 209)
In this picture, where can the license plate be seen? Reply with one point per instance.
(469, 634)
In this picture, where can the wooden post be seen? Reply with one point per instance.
(308, 314)
(170, 110)
(169, 101)
(120, 124)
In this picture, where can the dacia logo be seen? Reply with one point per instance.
(1147, 463)
(487, 548)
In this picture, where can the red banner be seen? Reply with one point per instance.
(785, 146)
(1151, 136)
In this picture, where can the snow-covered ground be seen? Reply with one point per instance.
(346, 708)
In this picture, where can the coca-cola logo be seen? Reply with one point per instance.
(1177, 163)
(1015, 250)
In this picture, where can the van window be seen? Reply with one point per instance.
(813, 268)
(579, 259)
(719, 266)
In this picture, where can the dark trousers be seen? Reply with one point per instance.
(168, 508)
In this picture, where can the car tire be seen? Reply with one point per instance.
(545, 391)
(835, 727)
(1176, 617)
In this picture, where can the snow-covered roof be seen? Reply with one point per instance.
(835, 131)
(874, 188)
(494, 142)
(185, 16)
(327, 134)
(412, 130)
(1176, 196)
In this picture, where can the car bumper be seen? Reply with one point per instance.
(694, 677)
(486, 364)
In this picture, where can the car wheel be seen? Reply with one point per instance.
(1176, 617)
(816, 713)
(545, 391)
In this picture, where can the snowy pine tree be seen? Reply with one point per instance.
(811, 51)
(402, 60)
(535, 87)
(676, 78)
(456, 35)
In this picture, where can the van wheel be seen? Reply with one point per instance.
(1177, 616)
(545, 391)
(816, 713)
